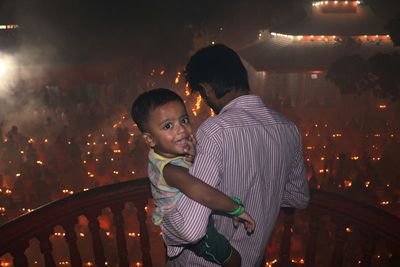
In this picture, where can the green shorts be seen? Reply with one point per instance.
(213, 246)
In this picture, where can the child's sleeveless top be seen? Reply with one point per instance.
(165, 197)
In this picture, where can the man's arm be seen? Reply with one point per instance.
(296, 193)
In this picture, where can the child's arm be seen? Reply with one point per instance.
(203, 193)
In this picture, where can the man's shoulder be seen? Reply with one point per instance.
(210, 126)
(247, 117)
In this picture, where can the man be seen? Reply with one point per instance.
(247, 150)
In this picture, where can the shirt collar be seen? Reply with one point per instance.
(243, 101)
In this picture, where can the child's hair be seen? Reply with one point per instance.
(148, 101)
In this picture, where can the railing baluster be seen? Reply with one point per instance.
(98, 248)
(394, 251)
(369, 242)
(311, 249)
(340, 239)
(70, 235)
(284, 255)
(20, 259)
(46, 247)
(144, 235)
(118, 220)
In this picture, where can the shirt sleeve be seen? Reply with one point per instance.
(188, 222)
(296, 193)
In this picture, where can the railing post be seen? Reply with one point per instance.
(98, 248)
(144, 235)
(18, 253)
(395, 254)
(311, 248)
(340, 240)
(121, 241)
(70, 236)
(368, 246)
(46, 248)
(288, 222)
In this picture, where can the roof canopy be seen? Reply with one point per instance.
(320, 39)
(318, 22)
(282, 53)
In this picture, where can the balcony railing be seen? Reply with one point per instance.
(333, 231)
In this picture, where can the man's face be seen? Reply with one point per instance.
(169, 129)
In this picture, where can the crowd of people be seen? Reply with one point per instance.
(66, 139)
(88, 127)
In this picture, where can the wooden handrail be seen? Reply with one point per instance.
(40, 223)
(370, 218)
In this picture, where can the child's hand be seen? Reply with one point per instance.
(191, 149)
(245, 218)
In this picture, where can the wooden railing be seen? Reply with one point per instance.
(333, 222)
(325, 230)
(39, 224)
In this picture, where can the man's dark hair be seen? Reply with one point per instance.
(220, 67)
(148, 101)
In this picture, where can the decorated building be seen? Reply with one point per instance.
(291, 61)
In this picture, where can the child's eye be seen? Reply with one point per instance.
(167, 126)
(185, 120)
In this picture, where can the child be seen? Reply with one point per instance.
(161, 116)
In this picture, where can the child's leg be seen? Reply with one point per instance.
(216, 248)
(234, 260)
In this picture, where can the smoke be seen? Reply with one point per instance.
(20, 83)
(8, 74)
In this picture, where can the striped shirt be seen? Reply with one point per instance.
(251, 152)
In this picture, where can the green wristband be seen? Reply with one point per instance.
(236, 212)
(240, 208)
(237, 200)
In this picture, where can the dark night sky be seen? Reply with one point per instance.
(158, 30)
(86, 30)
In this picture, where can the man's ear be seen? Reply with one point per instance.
(207, 88)
(148, 139)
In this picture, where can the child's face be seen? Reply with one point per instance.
(169, 129)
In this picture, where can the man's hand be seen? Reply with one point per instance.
(245, 218)
(191, 149)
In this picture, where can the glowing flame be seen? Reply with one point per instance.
(212, 114)
(177, 79)
(347, 183)
(187, 91)
(197, 105)
(198, 102)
